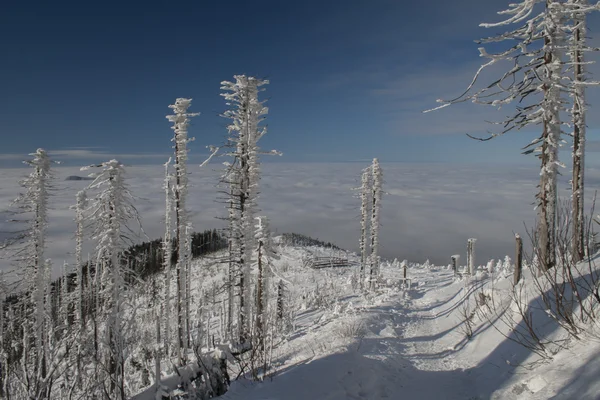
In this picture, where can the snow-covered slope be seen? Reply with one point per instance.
(412, 344)
(404, 342)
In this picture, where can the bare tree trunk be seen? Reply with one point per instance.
(179, 267)
(364, 249)
(188, 292)
(159, 306)
(3, 363)
(280, 300)
(454, 264)
(230, 294)
(243, 242)
(578, 240)
(518, 260)
(241, 315)
(259, 299)
(549, 156)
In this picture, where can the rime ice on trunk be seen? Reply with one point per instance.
(471, 255)
(243, 175)
(181, 120)
(455, 259)
(65, 301)
(551, 136)
(110, 210)
(35, 204)
(576, 55)
(188, 280)
(261, 279)
(375, 217)
(366, 192)
(536, 80)
(262, 256)
(80, 207)
(232, 261)
(3, 353)
(167, 254)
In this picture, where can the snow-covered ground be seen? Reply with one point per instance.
(411, 344)
(392, 344)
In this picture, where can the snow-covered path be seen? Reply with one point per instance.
(407, 352)
(411, 344)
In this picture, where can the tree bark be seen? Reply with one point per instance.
(578, 240)
(518, 260)
(549, 156)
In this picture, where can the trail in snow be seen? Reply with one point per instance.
(404, 353)
(411, 345)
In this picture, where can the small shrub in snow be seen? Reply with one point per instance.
(208, 380)
(490, 266)
(482, 274)
(351, 328)
(467, 316)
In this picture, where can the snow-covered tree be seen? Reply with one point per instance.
(65, 298)
(80, 206)
(366, 192)
(181, 121)
(577, 11)
(263, 255)
(3, 338)
(35, 201)
(111, 211)
(243, 175)
(265, 310)
(31, 244)
(490, 266)
(233, 257)
(507, 265)
(534, 78)
(167, 254)
(377, 181)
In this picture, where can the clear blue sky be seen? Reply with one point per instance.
(349, 79)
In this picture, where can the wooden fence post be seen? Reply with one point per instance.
(455, 263)
(471, 255)
(518, 259)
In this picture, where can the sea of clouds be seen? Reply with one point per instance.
(428, 211)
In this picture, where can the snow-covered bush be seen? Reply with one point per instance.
(350, 328)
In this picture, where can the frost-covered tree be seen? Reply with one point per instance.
(577, 11)
(377, 181)
(80, 206)
(167, 254)
(181, 121)
(242, 175)
(263, 256)
(233, 257)
(30, 244)
(264, 317)
(111, 211)
(366, 192)
(65, 298)
(4, 338)
(534, 78)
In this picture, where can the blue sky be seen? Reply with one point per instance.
(349, 79)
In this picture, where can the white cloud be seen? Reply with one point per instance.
(81, 154)
(429, 212)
